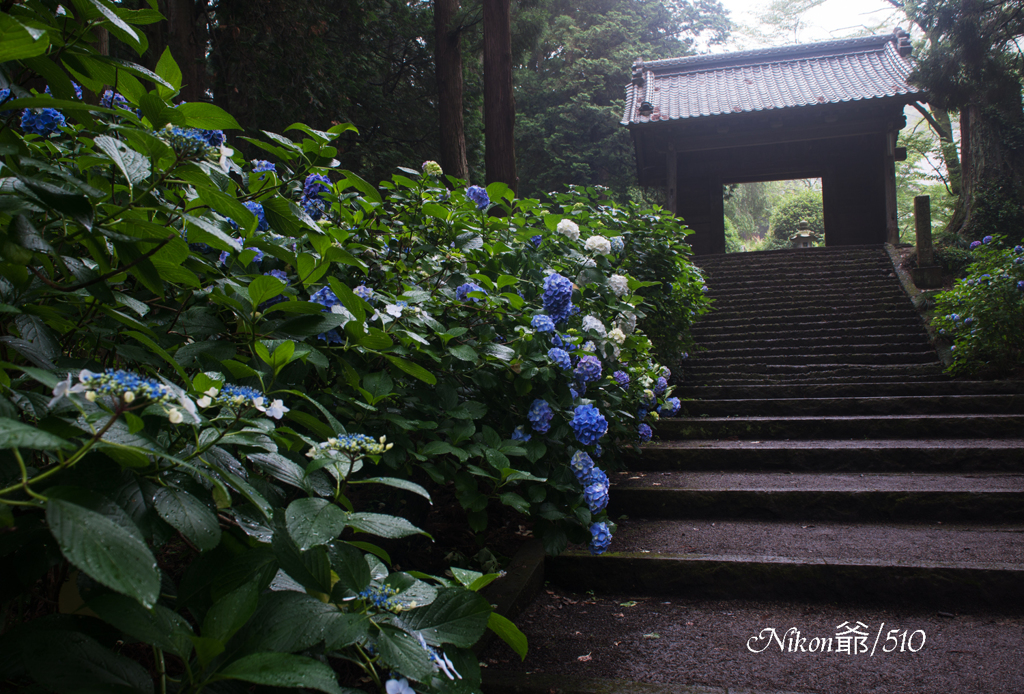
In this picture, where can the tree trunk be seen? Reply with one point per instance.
(948, 147)
(499, 104)
(186, 37)
(448, 70)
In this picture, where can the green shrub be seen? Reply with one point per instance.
(983, 314)
(793, 209)
(733, 244)
(199, 356)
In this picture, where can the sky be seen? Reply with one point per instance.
(834, 19)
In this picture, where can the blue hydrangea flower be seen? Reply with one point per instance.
(5, 94)
(314, 185)
(42, 121)
(581, 465)
(588, 424)
(644, 432)
(1020, 285)
(596, 476)
(127, 385)
(326, 297)
(672, 407)
(573, 393)
(463, 290)
(186, 142)
(214, 138)
(598, 451)
(520, 434)
(479, 196)
(648, 398)
(382, 597)
(230, 394)
(259, 165)
(261, 216)
(596, 496)
(1018, 249)
(540, 416)
(622, 378)
(660, 386)
(557, 297)
(975, 244)
(543, 324)
(987, 240)
(600, 538)
(535, 240)
(641, 413)
(588, 369)
(617, 244)
(560, 357)
(111, 99)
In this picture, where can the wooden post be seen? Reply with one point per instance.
(672, 171)
(927, 275)
(892, 226)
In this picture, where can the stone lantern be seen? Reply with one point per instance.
(804, 237)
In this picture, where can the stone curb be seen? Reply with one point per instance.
(543, 683)
(513, 592)
(923, 301)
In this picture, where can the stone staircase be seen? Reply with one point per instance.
(821, 458)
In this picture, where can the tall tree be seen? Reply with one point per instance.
(499, 102)
(973, 64)
(570, 87)
(448, 69)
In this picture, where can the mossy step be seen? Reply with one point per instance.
(911, 426)
(832, 455)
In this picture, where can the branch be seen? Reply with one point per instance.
(939, 130)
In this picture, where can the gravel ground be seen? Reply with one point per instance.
(706, 643)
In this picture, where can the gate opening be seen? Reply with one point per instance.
(765, 215)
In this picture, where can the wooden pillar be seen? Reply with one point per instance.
(672, 172)
(892, 225)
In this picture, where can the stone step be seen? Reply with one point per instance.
(883, 405)
(834, 455)
(917, 426)
(796, 380)
(851, 281)
(939, 565)
(822, 326)
(824, 370)
(629, 643)
(868, 496)
(842, 302)
(841, 288)
(797, 314)
(826, 390)
(917, 338)
(863, 354)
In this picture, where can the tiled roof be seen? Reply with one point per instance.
(871, 67)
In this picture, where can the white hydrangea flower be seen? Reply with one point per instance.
(174, 416)
(598, 244)
(569, 229)
(619, 284)
(626, 322)
(617, 335)
(594, 323)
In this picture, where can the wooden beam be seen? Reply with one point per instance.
(671, 172)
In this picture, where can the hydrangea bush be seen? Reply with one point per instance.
(983, 314)
(201, 358)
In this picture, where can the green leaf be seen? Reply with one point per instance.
(68, 203)
(352, 570)
(133, 165)
(105, 551)
(288, 621)
(231, 612)
(515, 501)
(314, 522)
(312, 568)
(379, 386)
(391, 527)
(18, 42)
(167, 68)
(159, 626)
(263, 288)
(283, 670)
(189, 515)
(70, 661)
(14, 434)
(464, 352)
(413, 369)
(199, 114)
(404, 653)
(112, 17)
(396, 483)
(157, 349)
(229, 207)
(362, 186)
(509, 633)
(501, 352)
(457, 616)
